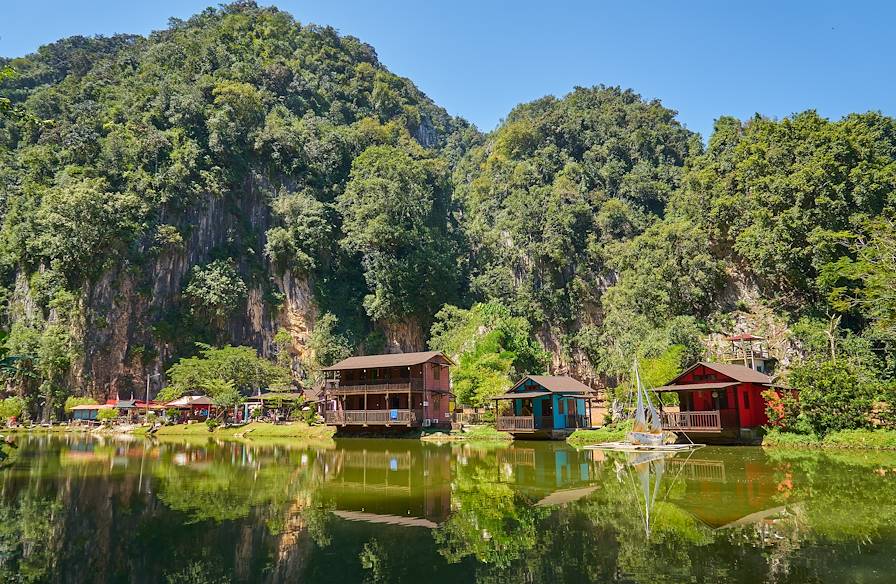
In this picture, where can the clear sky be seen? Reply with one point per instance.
(479, 58)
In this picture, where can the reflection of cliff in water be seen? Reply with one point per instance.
(404, 511)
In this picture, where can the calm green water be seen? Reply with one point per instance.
(76, 509)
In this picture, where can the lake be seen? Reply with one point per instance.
(105, 509)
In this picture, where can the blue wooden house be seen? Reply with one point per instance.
(544, 406)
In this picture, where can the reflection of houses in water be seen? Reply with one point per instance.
(408, 487)
(555, 473)
(716, 494)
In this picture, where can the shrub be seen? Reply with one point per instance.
(107, 414)
(782, 409)
(72, 401)
(834, 395)
(12, 407)
(211, 424)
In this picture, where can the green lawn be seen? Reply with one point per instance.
(251, 430)
(474, 434)
(867, 439)
(609, 433)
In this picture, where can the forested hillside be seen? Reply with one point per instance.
(242, 179)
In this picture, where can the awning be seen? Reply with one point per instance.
(696, 386)
(523, 395)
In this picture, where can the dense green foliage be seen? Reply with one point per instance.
(200, 176)
(222, 373)
(491, 347)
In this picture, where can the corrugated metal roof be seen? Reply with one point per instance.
(92, 407)
(696, 386)
(388, 360)
(556, 383)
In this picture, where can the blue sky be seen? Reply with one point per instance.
(480, 58)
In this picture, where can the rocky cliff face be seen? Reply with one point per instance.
(124, 307)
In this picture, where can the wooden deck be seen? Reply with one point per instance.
(709, 421)
(372, 417)
(533, 423)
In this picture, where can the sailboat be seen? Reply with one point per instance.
(648, 428)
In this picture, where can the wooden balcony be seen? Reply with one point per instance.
(372, 417)
(515, 423)
(709, 421)
(367, 388)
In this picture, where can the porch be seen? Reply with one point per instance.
(699, 421)
(535, 423)
(391, 417)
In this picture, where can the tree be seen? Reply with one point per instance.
(868, 279)
(834, 395)
(217, 368)
(389, 212)
(215, 289)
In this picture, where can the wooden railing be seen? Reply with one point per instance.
(515, 423)
(403, 387)
(470, 417)
(365, 417)
(576, 421)
(709, 421)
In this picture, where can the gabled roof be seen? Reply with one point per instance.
(191, 400)
(389, 360)
(696, 386)
(738, 373)
(554, 384)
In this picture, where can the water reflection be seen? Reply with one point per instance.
(113, 509)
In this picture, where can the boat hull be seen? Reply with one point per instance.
(645, 438)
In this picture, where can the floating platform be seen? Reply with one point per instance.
(626, 447)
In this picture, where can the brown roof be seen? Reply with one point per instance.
(556, 383)
(738, 373)
(390, 360)
(696, 386)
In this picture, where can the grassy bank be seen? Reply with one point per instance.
(863, 439)
(609, 433)
(250, 431)
(474, 434)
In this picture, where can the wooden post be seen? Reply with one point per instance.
(365, 406)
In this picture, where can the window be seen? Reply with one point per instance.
(746, 401)
(562, 407)
(436, 372)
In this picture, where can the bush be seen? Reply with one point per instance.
(12, 407)
(834, 395)
(782, 409)
(107, 414)
(72, 401)
(211, 424)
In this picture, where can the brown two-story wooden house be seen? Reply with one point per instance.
(401, 389)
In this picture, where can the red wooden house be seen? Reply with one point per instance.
(719, 402)
(401, 389)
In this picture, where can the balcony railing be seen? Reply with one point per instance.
(397, 387)
(515, 423)
(576, 421)
(709, 421)
(372, 417)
